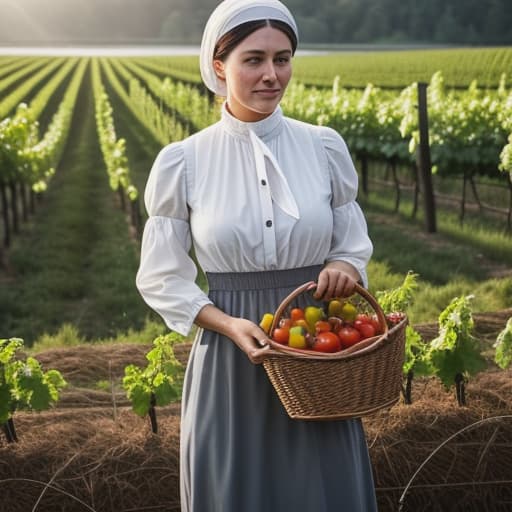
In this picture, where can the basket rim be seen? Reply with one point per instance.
(361, 348)
(358, 350)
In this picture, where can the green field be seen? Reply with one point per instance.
(74, 261)
(394, 69)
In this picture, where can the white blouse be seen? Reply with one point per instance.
(283, 196)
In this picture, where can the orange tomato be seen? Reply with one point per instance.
(297, 314)
(322, 326)
(286, 322)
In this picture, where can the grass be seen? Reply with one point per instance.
(455, 261)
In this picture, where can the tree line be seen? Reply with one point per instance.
(465, 22)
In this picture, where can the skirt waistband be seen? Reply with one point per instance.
(262, 280)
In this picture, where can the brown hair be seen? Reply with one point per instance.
(231, 39)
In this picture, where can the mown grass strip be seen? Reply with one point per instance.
(9, 103)
(40, 101)
(11, 65)
(11, 80)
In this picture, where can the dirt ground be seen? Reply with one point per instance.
(92, 453)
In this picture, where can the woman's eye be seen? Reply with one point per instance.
(282, 60)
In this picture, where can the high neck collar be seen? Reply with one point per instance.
(265, 129)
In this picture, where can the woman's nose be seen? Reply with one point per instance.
(269, 73)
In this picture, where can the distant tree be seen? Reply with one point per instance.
(321, 21)
(448, 29)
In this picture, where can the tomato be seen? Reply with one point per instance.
(322, 326)
(349, 336)
(297, 314)
(334, 308)
(358, 323)
(326, 342)
(366, 330)
(281, 335)
(348, 312)
(376, 324)
(363, 317)
(285, 322)
(313, 314)
(395, 317)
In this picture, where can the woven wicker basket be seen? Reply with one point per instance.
(351, 383)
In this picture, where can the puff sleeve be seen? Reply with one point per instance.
(166, 274)
(350, 240)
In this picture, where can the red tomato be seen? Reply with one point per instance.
(363, 317)
(281, 335)
(326, 342)
(297, 314)
(349, 336)
(376, 324)
(366, 330)
(358, 323)
(395, 318)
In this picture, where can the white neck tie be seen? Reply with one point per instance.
(279, 188)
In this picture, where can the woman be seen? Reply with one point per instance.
(268, 203)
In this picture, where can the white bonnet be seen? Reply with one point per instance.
(228, 15)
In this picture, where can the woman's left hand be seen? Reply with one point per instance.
(336, 279)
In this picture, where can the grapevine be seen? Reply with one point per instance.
(503, 346)
(455, 353)
(24, 385)
(398, 300)
(158, 383)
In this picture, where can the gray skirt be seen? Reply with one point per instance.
(240, 452)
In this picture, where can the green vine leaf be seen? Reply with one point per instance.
(456, 350)
(503, 346)
(400, 298)
(160, 378)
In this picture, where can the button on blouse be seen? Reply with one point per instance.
(286, 199)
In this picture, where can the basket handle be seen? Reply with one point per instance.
(311, 285)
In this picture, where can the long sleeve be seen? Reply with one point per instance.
(350, 241)
(166, 275)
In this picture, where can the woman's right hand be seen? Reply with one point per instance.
(248, 336)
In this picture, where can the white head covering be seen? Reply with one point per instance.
(228, 15)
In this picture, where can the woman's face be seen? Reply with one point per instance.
(257, 72)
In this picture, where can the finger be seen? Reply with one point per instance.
(263, 342)
(321, 286)
(257, 356)
(330, 286)
(335, 284)
(348, 287)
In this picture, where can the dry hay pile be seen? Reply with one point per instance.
(87, 455)
(91, 462)
(445, 457)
